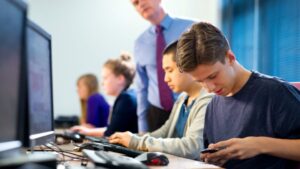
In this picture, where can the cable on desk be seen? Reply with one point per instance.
(71, 155)
(68, 152)
(60, 152)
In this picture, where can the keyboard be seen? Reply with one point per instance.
(78, 137)
(105, 159)
(121, 149)
(111, 147)
(97, 139)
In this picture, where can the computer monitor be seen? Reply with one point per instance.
(39, 128)
(12, 38)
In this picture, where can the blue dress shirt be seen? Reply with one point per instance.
(145, 56)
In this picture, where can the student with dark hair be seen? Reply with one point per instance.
(94, 108)
(182, 133)
(117, 76)
(254, 119)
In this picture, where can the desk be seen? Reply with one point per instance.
(174, 162)
(183, 163)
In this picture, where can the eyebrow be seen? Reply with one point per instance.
(167, 67)
(212, 74)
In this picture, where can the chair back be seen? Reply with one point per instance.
(296, 84)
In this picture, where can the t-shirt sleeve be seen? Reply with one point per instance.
(286, 109)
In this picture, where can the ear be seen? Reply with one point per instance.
(230, 57)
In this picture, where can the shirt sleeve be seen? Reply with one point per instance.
(188, 146)
(286, 109)
(142, 95)
(166, 127)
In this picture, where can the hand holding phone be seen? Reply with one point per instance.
(211, 150)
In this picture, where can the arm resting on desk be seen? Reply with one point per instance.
(189, 146)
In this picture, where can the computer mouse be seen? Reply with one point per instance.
(75, 136)
(153, 158)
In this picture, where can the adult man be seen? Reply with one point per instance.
(154, 98)
(254, 120)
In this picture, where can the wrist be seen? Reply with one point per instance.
(134, 141)
(264, 145)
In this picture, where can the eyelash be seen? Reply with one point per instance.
(212, 77)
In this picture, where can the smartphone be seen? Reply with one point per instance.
(209, 150)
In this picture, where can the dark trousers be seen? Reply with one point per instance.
(156, 117)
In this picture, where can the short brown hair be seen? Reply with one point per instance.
(202, 44)
(122, 66)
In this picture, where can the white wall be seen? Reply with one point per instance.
(85, 33)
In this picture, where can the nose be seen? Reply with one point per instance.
(166, 78)
(209, 85)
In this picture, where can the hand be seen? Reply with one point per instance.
(96, 132)
(80, 129)
(121, 138)
(236, 148)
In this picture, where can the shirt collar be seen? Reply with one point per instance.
(165, 23)
(188, 107)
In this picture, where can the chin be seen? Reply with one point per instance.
(177, 90)
(148, 15)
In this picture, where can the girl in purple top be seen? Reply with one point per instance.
(94, 108)
(117, 76)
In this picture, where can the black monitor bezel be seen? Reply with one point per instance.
(13, 145)
(50, 137)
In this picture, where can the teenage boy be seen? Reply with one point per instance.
(182, 133)
(254, 119)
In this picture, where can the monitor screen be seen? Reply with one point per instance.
(12, 34)
(40, 110)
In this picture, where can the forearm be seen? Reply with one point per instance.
(186, 147)
(96, 132)
(163, 130)
(283, 148)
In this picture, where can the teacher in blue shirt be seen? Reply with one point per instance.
(154, 98)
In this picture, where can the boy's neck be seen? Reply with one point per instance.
(242, 77)
(193, 92)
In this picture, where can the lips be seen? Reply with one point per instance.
(170, 86)
(218, 92)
